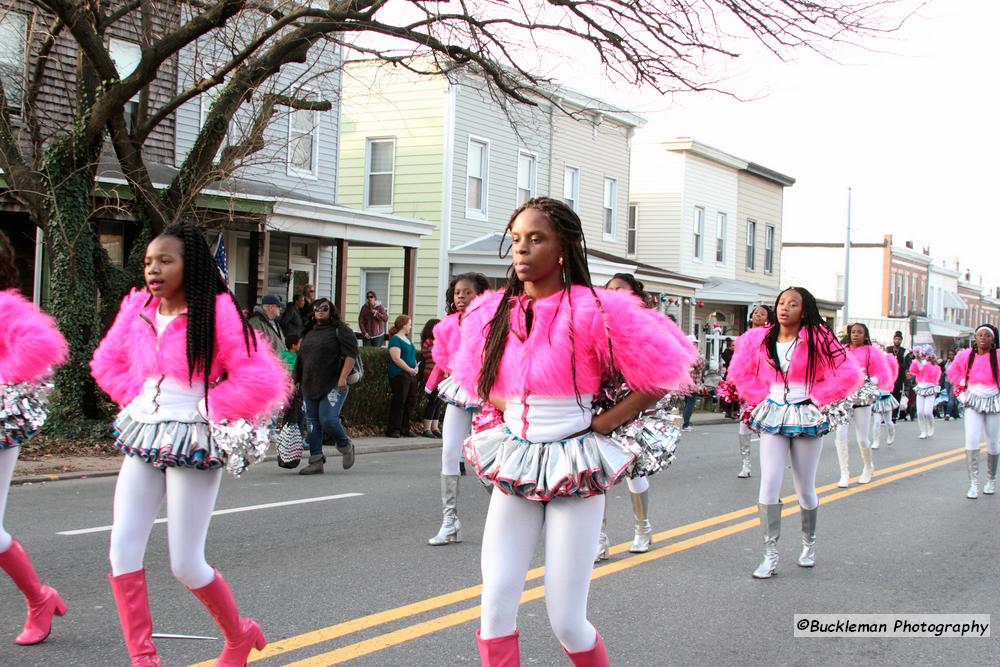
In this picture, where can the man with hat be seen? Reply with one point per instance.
(903, 360)
(265, 320)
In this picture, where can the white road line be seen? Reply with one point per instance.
(233, 510)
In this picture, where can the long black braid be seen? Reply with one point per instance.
(822, 342)
(202, 283)
(575, 271)
(8, 267)
(993, 356)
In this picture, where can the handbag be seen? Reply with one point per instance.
(652, 436)
(290, 445)
(357, 373)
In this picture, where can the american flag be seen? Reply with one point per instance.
(220, 258)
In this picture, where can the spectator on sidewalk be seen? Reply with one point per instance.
(372, 320)
(402, 378)
(265, 320)
(697, 375)
(432, 410)
(291, 319)
(306, 309)
(291, 352)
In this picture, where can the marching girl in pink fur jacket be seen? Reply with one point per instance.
(539, 352)
(458, 415)
(873, 365)
(760, 316)
(927, 373)
(791, 370)
(30, 347)
(886, 403)
(975, 370)
(152, 363)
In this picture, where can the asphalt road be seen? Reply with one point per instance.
(350, 580)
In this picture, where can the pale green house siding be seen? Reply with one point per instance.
(380, 101)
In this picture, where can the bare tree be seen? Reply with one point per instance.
(73, 102)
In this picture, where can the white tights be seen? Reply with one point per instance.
(976, 425)
(8, 457)
(571, 527)
(862, 428)
(774, 449)
(925, 412)
(880, 420)
(457, 426)
(190, 497)
(637, 485)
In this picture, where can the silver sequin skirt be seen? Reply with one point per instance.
(581, 466)
(23, 410)
(168, 444)
(927, 391)
(986, 405)
(793, 420)
(884, 404)
(452, 393)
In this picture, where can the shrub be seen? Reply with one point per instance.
(367, 408)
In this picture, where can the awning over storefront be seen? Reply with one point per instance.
(952, 300)
(947, 329)
(735, 292)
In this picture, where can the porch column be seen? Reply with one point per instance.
(340, 278)
(409, 280)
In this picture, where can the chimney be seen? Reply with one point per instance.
(955, 260)
(968, 275)
(909, 245)
(926, 250)
(887, 240)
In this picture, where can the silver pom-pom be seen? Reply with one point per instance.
(866, 395)
(651, 437)
(23, 410)
(243, 442)
(840, 413)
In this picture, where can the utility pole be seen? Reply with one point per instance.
(847, 264)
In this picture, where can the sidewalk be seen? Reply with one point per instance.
(84, 467)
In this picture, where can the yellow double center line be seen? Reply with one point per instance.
(410, 632)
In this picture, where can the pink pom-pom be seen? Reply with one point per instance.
(486, 418)
(726, 392)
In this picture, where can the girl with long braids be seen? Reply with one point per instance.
(791, 370)
(925, 370)
(760, 316)
(873, 365)
(457, 426)
(975, 371)
(179, 355)
(539, 351)
(30, 346)
(885, 405)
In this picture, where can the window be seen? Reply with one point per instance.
(892, 292)
(375, 280)
(769, 248)
(478, 169)
(571, 187)
(610, 208)
(751, 244)
(525, 178)
(240, 272)
(303, 142)
(631, 235)
(112, 239)
(720, 238)
(699, 231)
(126, 57)
(379, 167)
(13, 43)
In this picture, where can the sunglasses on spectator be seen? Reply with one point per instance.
(323, 309)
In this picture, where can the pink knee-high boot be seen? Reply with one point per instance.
(132, 600)
(242, 634)
(499, 651)
(595, 657)
(43, 601)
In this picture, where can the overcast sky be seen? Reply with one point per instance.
(913, 132)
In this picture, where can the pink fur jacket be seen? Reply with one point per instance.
(753, 371)
(926, 372)
(871, 360)
(30, 343)
(981, 372)
(252, 385)
(649, 350)
(892, 366)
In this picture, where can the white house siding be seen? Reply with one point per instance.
(599, 152)
(479, 116)
(762, 200)
(656, 176)
(712, 186)
(270, 165)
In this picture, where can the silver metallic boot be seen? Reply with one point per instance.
(744, 456)
(451, 527)
(843, 457)
(770, 521)
(972, 465)
(602, 543)
(808, 557)
(643, 529)
(990, 487)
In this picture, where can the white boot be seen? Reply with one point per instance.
(930, 426)
(869, 468)
(923, 428)
(891, 427)
(972, 467)
(875, 432)
(842, 459)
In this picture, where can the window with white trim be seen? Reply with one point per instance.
(13, 45)
(477, 180)
(571, 187)
(303, 142)
(374, 280)
(631, 234)
(768, 248)
(751, 263)
(526, 177)
(699, 231)
(720, 238)
(380, 160)
(610, 208)
(126, 57)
